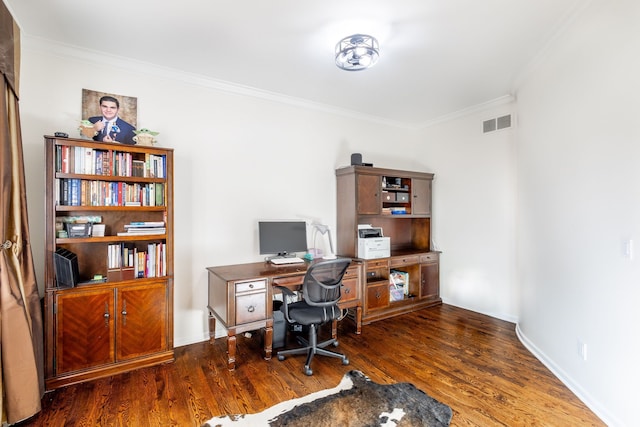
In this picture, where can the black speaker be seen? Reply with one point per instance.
(356, 159)
(65, 264)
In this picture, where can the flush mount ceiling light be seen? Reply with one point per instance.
(357, 52)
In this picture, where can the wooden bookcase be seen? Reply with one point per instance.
(399, 202)
(119, 316)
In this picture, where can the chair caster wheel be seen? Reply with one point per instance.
(308, 371)
(280, 357)
(345, 361)
(335, 344)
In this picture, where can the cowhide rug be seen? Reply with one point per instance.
(356, 401)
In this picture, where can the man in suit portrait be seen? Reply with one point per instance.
(109, 127)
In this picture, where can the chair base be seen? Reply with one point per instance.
(311, 348)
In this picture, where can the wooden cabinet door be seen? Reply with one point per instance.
(84, 330)
(142, 320)
(377, 296)
(368, 193)
(421, 196)
(430, 280)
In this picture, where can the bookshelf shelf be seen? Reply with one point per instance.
(110, 239)
(109, 208)
(122, 319)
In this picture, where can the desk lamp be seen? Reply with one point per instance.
(323, 229)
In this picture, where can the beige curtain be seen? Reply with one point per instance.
(21, 334)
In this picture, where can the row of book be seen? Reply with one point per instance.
(82, 192)
(127, 258)
(141, 228)
(89, 161)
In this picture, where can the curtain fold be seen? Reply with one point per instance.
(21, 331)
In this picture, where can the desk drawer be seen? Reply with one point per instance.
(404, 260)
(377, 263)
(351, 273)
(250, 307)
(254, 285)
(430, 257)
(349, 290)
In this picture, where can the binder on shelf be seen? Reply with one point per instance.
(65, 264)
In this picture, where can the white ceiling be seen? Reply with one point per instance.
(438, 57)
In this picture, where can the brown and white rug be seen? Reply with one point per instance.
(356, 401)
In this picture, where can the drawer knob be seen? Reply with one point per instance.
(251, 309)
(347, 291)
(251, 285)
(378, 295)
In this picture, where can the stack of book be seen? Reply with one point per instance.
(127, 262)
(143, 227)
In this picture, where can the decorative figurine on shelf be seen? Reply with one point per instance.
(86, 129)
(145, 137)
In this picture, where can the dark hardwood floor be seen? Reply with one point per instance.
(471, 362)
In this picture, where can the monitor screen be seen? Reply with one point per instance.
(282, 237)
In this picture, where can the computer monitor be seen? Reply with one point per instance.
(282, 238)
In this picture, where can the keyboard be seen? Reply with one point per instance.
(288, 260)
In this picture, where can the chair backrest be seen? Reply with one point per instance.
(321, 286)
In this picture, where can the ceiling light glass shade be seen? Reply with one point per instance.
(357, 52)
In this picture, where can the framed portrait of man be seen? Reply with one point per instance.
(111, 117)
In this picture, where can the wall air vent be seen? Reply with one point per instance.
(502, 122)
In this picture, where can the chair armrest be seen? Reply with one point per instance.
(285, 301)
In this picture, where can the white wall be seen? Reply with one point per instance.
(579, 202)
(238, 158)
(474, 218)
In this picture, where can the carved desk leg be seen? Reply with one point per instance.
(231, 349)
(268, 340)
(358, 320)
(212, 327)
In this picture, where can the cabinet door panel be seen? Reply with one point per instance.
(421, 203)
(430, 280)
(142, 321)
(377, 296)
(84, 330)
(369, 191)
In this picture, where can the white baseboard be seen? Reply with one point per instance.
(501, 316)
(582, 394)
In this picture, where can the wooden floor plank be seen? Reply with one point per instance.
(473, 363)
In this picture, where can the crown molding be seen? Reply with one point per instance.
(133, 65)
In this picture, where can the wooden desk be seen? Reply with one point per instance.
(241, 298)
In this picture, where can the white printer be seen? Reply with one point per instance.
(371, 243)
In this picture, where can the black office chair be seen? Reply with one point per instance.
(321, 293)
